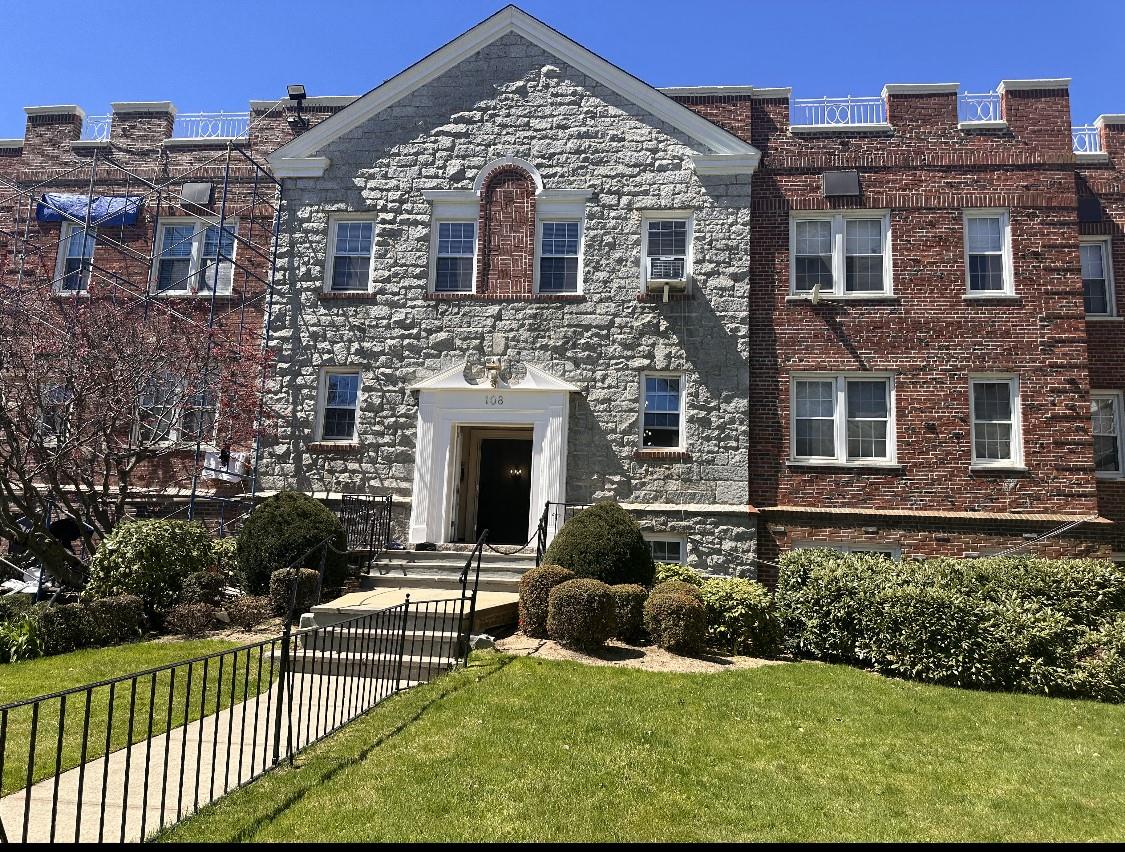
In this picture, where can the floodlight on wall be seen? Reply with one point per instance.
(296, 119)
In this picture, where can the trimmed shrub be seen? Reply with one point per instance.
(580, 613)
(204, 587)
(676, 621)
(603, 542)
(284, 528)
(281, 590)
(675, 571)
(62, 628)
(535, 587)
(149, 559)
(677, 587)
(14, 607)
(191, 619)
(249, 611)
(111, 621)
(741, 617)
(1026, 624)
(628, 607)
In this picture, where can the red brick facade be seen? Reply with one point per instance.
(926, 171)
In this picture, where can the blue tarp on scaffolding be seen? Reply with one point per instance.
(105, 210)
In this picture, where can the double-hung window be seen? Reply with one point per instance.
(195, 258)
(842, 419)
(54, 413)
(666, 549)
(840, 254)
(1097, 278)
(666, 241)
(198, 415)
(340, 394)
(1105, 409)
(76, 255)
(995, 408)
(349, 264)
(160, 402)
(988, 253)
(662, 412)
(456, 257)
(559, 245)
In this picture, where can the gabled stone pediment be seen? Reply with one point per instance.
(472, 376)
(716, 150)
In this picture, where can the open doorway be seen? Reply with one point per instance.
(494, 484)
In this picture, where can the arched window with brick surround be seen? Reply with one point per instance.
(506, 229)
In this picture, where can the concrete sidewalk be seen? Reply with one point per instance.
(187, 768)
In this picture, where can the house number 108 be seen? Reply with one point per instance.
(494, 399)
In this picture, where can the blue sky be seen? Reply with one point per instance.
(104, 51)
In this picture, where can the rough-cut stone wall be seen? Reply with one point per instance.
(513, 99)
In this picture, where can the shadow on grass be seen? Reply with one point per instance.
(489, 669)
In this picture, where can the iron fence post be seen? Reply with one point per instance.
(323, 565)
(283, 675)
(402, 643)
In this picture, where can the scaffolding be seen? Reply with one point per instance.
(243, 204)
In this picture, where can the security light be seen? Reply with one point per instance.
(297, 121)
(296, 92)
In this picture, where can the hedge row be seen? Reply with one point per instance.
(1026, 624)
(44, 630)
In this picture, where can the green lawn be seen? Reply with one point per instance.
(527, 749)
(52, 674)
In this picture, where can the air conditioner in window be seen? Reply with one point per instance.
(666, 275)
(225, 466)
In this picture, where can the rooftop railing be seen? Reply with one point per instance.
(95, 128)
(1087, 139)
(983, 106)
(831, 112)
(211, 125)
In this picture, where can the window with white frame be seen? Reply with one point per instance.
(666, 549)
(340, 404)
(1097, 278)
(456, 257)
(76, 255)
(841, 418)
(193, 259)
(54, 413)
(559, 246)
(841, 254)
(662, 411)
(198, 416)
(349, 262)
(1105, 411)
(666, 247)
(988, 252)
(887, 551)
(160, 401)
(995, 409)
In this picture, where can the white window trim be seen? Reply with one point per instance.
(839, 218)
(334, 220)
(1119, 399)
(563, 216)
(1016, 461)
(689, 258)
(195, 265)
(841, 419)
(1006, 242)
(451, 205)
(892, 550)
(65, 232)
(682, 445)
(322, 399)
(176, 426)
(1107, 261)
(668, 537)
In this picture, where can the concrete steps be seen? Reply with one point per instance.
(441, 569)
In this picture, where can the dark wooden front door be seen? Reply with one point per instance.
(504, 493)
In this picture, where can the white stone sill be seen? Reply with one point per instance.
(879, 466)
(851, 297)
(1102, 318)
(813, 129)
(986, 468)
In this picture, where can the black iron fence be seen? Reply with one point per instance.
(367, 523)
(124, 757)
(551, 521)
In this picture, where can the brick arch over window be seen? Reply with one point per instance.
(506, 255)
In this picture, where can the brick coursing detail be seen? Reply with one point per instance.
(506, 231)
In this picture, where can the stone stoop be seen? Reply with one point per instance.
(441, 569)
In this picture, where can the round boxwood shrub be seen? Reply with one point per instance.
(535, 587)
(675, 571)
(580, 613)
(676, 622)
(281, 590)
(249, 611)
(605, 543)
(628, 607)
(741, 617)
(677, 587)
(204, 587)
(284, 528)
(149, 559)
(62, 627)
(190, 619)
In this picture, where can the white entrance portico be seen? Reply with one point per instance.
(450, 401)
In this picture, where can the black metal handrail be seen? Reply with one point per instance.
(549, 519)
(471, 596)
(367, 525)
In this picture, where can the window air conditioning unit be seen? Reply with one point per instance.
(225, 466)
(666, 275)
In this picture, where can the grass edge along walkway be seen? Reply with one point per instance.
(529, 749)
